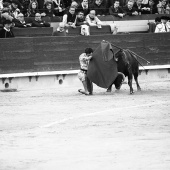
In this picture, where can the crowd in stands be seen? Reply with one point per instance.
(76, 12)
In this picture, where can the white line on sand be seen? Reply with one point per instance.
(101, 112)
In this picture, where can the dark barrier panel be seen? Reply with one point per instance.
(32, 31)
(62, 53)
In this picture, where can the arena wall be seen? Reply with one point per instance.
(53, 61)
(40, 54)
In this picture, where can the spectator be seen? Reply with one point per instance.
(84, 7)
(153, 7)
(93, 20)
(152, 25)
(129, 9)
(33, 9)
(6, 12)
(38, 21)
(14, 8)
(59, 7)
(80, 21)
(6, 31)
(74, 4)
(20, 22)
(60, 30)
(116, 10)
(48, 10)
(141, 8)
(163, 7)
(163, 26)
(157, 20)
(100, 7)
(25, 4)
(69, 19)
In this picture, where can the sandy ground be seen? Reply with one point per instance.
(63, 130)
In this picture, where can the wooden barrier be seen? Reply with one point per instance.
(100, 31)
(74, 31)
(41, 54)
(32, 31)
(132, 26)
(93, 30)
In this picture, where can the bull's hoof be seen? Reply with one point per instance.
(132, 92)
(108, 90)
(139, 89)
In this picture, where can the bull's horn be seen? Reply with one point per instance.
(122, 76)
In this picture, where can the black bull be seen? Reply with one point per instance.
(128, 65)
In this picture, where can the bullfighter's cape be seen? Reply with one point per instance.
(102, 69)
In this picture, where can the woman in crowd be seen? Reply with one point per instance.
(33, 9)
(48, 10)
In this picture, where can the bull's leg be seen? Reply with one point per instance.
(109, 88)
(130, 83)
(136, 80)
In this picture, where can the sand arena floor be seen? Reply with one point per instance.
(63, 130)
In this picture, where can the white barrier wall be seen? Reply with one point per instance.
(58, 79)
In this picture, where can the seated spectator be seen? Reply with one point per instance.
(84, 7)
(93, 20)
(25, 4)
(48, 10)
(32, 9)
(164, 26)
(80, 21)
(74, 4)
(59, 7)
(100, 7)
(116, 10)
(163, 7)
(6, 12)
(38, 22)
(60, 30)
(14, 8)
(157, 20)
(129, 9)
(141, 8)
(153, 7)
(6, 31)
(69, 19)
(20, 22)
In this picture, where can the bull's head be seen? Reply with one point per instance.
(119, 80)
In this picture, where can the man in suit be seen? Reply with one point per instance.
(116, 10)
(20, 22)
(38, 22)
(84, 7)
(69, 19)
(164, 26)
(141, 8)
(6, 31)
(129, 9)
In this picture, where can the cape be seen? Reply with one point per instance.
(102, 69)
